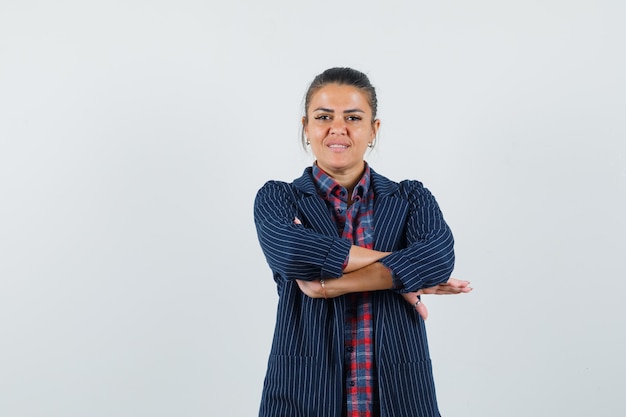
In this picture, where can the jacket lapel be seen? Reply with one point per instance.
(390, 212)
(314, 211)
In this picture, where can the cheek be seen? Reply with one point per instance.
(364, 132)
(316, 131)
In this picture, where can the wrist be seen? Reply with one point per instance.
(333, 287)
(323, 288)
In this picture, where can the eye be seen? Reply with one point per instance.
(354, 118)
(322, 117)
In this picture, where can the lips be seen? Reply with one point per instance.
(338, 145)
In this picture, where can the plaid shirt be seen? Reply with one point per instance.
(355, 222)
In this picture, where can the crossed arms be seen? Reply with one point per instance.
(311, 255)
(364, 272)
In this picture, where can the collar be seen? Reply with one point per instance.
(382, 186)
(327, 187)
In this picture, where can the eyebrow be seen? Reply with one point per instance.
(332, 111)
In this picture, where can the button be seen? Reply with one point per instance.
(349, 348)
(352, 383)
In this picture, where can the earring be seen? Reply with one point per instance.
(307, 141)
(370, 145)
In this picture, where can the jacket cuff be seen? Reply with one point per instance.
(336, 258)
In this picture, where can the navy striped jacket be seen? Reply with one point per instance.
(305, 368)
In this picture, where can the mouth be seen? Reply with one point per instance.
(338, 146)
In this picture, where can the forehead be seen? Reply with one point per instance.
(340, 97)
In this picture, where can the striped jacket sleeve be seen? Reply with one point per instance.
(291, 250)
(428, 258)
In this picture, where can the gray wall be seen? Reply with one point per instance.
(133, 138)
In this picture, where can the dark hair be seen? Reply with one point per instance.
(341, 76)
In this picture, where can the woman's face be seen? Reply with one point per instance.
(339, 128)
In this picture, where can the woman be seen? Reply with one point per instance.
(351, 253)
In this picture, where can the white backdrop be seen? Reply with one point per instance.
(133, 138)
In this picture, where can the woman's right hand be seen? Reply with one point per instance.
(311, 289)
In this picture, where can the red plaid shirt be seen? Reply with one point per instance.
(354, 222)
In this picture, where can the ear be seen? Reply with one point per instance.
(304, 125)
(375, 127)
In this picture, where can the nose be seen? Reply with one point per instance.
(338, 126)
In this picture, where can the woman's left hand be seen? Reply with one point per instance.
(453, 286)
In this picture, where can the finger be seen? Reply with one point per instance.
(420, 307)
(456, 289)
(297, 220)
(449, 291)
(457, 283)
(443, 291)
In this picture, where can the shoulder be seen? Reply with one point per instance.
(274, 185)
(295, 190)
(417, 195)
(274, 189)
(412, 186)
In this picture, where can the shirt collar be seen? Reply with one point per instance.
(327, 187)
